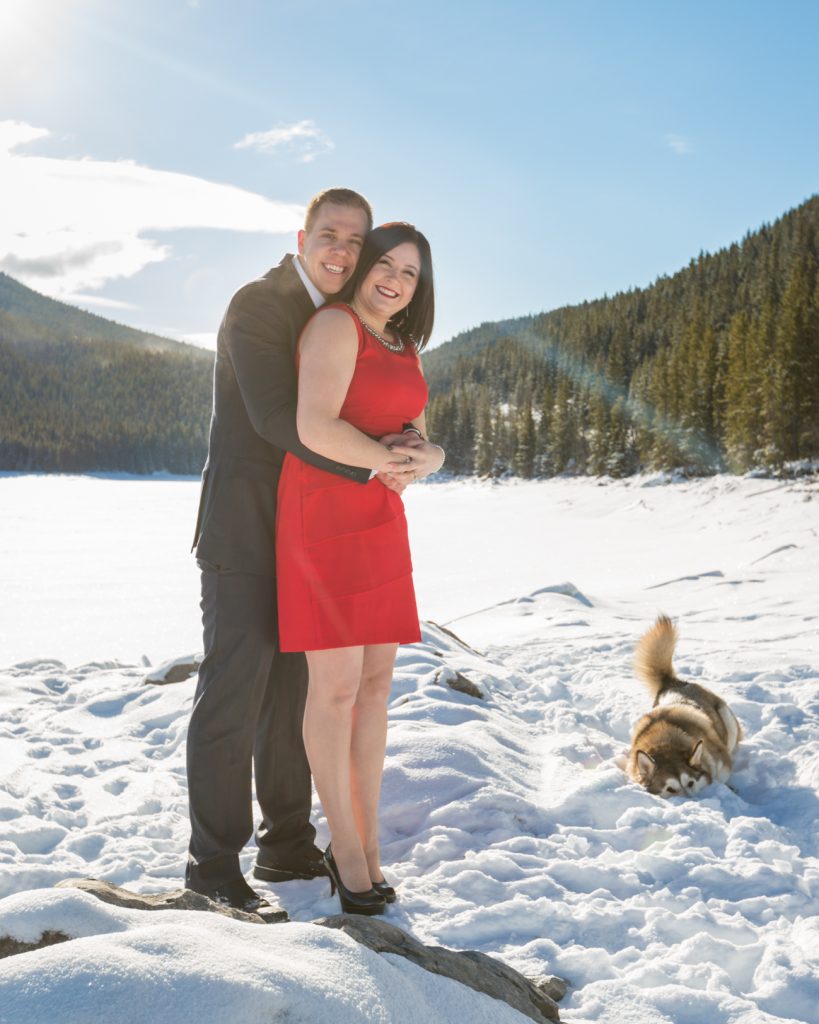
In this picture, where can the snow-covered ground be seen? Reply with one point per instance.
(507, 822)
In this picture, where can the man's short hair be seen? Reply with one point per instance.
(340, 196)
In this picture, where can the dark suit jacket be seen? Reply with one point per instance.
(254, 422)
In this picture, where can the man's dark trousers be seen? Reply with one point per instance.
(249, 703)
(250, 699)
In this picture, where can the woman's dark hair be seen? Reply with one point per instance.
(415, 320)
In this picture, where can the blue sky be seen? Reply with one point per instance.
(156, 154)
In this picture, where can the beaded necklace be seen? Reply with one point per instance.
(392, 346)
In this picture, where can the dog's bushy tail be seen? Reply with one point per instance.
(652, 658)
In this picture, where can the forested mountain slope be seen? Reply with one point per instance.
(715, 367)
(78, 392)
(26, 315)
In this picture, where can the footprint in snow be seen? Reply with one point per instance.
(109, 708)
(776, 551)
(687, 579)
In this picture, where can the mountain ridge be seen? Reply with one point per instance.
(28, 315)
(715, 366)
(80, 393)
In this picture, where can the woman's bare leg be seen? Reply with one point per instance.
(369, 741)
(335, 677)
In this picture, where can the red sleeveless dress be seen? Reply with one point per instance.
(344, 575)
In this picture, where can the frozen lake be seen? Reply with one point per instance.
(508, 824)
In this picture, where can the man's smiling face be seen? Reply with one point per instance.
(329, 251)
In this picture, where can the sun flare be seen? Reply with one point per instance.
(20, 20)
(14, 15)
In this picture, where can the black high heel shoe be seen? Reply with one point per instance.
(385, 890)
(369, 902)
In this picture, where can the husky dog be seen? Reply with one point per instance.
(686, 741)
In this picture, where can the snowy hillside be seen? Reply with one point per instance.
(508, 825)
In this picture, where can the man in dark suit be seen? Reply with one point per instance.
(249, 701)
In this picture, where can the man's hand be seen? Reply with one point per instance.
(392, 482)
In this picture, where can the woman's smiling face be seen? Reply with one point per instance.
(390, 284)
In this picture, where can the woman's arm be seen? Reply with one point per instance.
(327, 357)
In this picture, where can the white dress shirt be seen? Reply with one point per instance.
(312, 291)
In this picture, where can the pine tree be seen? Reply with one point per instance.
(563, 428)
(795, 378)
(523, 462)
(599, 433)
(742, 398)
(485, 437)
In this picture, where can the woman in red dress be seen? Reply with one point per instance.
(344, 575)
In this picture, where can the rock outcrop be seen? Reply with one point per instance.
(175, 671)
(10, 946)
(537, 998)
(477, 970)
(458, 681)
(178, 899)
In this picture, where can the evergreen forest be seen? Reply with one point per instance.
(80, 393)
(713, 368)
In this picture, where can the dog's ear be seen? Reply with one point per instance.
(646, 764)
(696, 757)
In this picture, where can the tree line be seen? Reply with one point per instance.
(78, 406)
(80, 393)
(713, 368)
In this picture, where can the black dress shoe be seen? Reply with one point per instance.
(309, 864)
(235, 893)
(385, 890)
(369, 902)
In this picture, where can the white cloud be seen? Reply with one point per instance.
(202, 339)
(17, 133)
(679, 143)
(99, 300)
(68, 225)
(304, 140)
